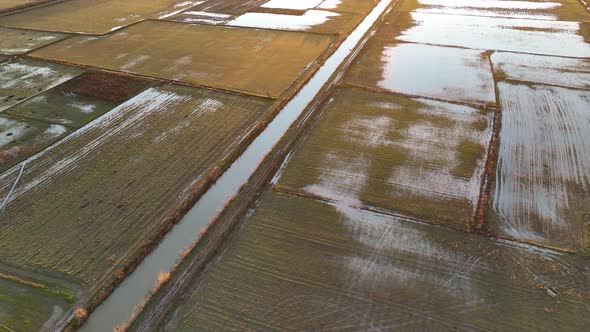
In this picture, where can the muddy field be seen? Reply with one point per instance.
(442, 185)
(418, 156)
(303, 264)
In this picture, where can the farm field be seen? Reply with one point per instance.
(304, 264)
(442, 184)
(173, 51)
(115, 118)
(10, 5)
(84, 197)
(29, 307)
(18, 41)
(105, 16)
(38, 121)
(419, 156)
(68, 173)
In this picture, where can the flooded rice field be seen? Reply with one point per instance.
(331, 165)
(318, 21)
(561, 10)
(542, 189)
(498, 33)
(417, 69)
(419, 156)
(559, 71)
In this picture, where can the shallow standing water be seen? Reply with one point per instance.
(120, 304)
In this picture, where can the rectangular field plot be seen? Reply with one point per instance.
(302, 265)
(17, 41)
(27, 308)
(568, 72)
(418, 157)
(93, 17)
(23, 78)
(258, 62)
(425, 70)
(316, 21)
(490, 33)
(562, 10)
(542, 189)
(104, 192)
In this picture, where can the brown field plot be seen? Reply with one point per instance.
(264, 63)
(91, 16)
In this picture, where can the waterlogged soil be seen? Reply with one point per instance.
(101, 182)
(425, 70)
(567, 72)
(300, 264)
(541, 194)
(558, 10)
(324, 17)
(418, 157)
(17, 41)
(40, 121)
(80, 100)
(486, 33)
(23, 78)
(316, 21)
(27, 308)
(105, 15)
(176, 51)
(21, 138)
